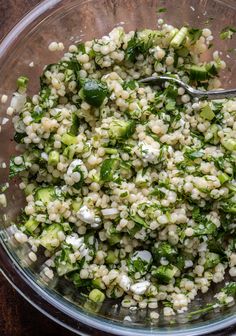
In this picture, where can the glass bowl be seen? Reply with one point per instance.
(70, 21)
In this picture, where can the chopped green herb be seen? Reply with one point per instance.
(162, 10)
(108, 170)
(15, 169)
(227, 32)
(194, 34)
(137, 219)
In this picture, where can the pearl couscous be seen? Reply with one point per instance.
(130, 188)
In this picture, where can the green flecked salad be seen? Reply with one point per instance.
(130, 188)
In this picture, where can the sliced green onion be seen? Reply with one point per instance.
(179, 37)
(108, 169)
(22, 82)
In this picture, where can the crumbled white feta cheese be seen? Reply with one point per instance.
(73, 165)
(74, 241)
(188, 263)
(5, 121)
(18, 101)
(124, 282)
(148, 153)
(127, 318)
(88, 216)
(140, 288)
(75, 172)
(144, 255)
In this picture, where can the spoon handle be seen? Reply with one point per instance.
(209, 95)
(214, 94)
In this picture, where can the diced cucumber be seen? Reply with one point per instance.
(53, 158)
(207, 113)
(69, 151)
(76, 205)
(29, 189)
(198, 73)
(114, 239)
(164, 273)
(49, 237)
(31, 225)
(212, 134)
(229, 144)
(96, 296)
(111, 257)
(121, 129)
(64, 268)
(94, 92)
(97, 283)
(45, 194)
(212, 259)
(111, 151)
(68, 139)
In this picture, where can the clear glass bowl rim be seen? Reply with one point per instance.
(50, 304)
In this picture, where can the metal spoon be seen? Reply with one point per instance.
(210, 95)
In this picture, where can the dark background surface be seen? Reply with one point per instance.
(18, 317)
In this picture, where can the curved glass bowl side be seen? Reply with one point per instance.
(28, 42)
(69, 316)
